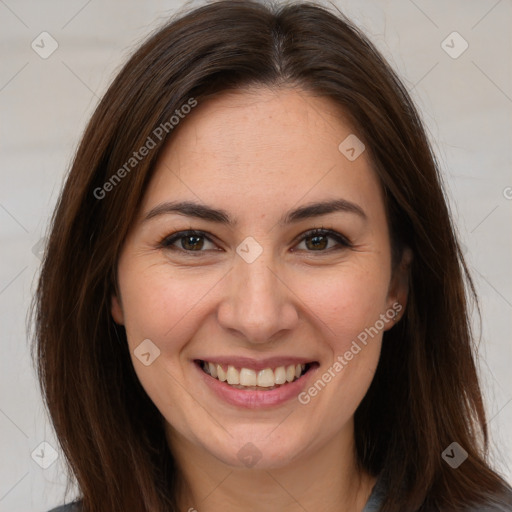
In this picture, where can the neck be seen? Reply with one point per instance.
(325, 479)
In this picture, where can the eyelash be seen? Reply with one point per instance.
(167, 241)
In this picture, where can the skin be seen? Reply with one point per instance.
(257, 154)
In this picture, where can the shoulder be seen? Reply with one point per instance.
(70, 507)
(494, 503)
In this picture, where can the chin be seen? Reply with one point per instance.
(256, 452)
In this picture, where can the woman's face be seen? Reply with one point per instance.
(251, 290)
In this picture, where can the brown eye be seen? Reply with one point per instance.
(317, 240)
(189, 241)
(192, 242)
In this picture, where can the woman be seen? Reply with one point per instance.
(253, 297)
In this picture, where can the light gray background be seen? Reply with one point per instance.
(466, 103)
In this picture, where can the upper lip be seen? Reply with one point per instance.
(256, 364)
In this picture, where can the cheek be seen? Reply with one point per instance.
(348, 305)
(347, 301)
(161, 308)
(156, 304)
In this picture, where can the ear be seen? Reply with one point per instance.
(399, 286)
(116, 310)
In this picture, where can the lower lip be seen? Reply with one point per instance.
(256, 399)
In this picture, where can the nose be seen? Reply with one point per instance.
(258, 304)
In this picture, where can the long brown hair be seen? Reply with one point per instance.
(425, 394)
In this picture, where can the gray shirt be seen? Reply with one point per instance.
(372, 505)
(378, 492)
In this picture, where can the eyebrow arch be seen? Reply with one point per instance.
(201, 211)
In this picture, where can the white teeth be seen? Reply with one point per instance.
(247, 377)
(213, 369)
(280, 375)
(233, 376)
(266, 378)
(221, 374)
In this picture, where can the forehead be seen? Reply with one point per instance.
(275, 146)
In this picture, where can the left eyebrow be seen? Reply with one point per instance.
(205, 212)
(322, 208)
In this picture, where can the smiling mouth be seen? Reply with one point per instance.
(252, 380)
